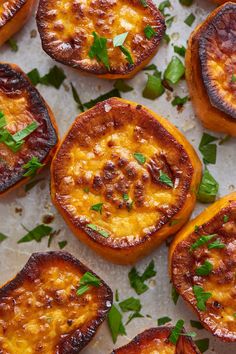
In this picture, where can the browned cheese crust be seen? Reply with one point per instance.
(21, 105)
(40, 311)
(217, 51)
(155, 340)
(219, 316)
(66, 29)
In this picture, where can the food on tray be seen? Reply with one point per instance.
(13, 15)
(54, 305)
(159, 340)
(203, 265)
(220, 2)
(124, 179)
(211, 70)
(28, 132)
(110, 38)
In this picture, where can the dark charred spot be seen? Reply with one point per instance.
(139, 195)
(131, 171)
(97, 183)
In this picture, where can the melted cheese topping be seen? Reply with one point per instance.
(37, 314)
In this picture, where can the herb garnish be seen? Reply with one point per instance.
(87, 280)
(32, 166)
(201, 297)
(139, 157)
(54, 77)
(180, 50)
(225, 218)
(186, 2)
(216, 244)
(205, 268)
(115, 323)
(2, 237)
(196, 324)
(98, 50)
(105, 96)
(154, 87)
(137, 281)
(130, 304)
(20, 135)
(233, 78)
(163, 320)
(164, 178)
(62, 244)
(202, 344)
(174, 295)
(118, 41)
(122, 86)
(36, 234)
(77, 98)
(201, 241)
(179, 101)
(190, 19)
(149, 32)
(174, 71)
(176, 331)
(208, 188)
(134, 315)
(103, 233)
(13, 44)
(163, 5)
(207, 149)
(97, 207)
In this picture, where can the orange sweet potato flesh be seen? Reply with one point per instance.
(220, 220)
(210, 69)
(40, 311)
(155, 340)
(96, 163)
(13, 15)
(220, 2)
(67, 36)
(21, 104)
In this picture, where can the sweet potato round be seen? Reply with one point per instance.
(155, 340)
(219, 220)
(41, 311)
(21, 104)
(96, 163)
(13, 15)
(210, 68)
(66, 31)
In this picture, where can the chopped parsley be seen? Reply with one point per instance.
(130, 304)
(176, 331)
(122, 86)
(154, 87)
(201, 297)
(77, 98)
(179, 101)
(97, 207)
(163, 320)
(196, 324)
(216, 244)
(2, 237)
(180, 50)
(62, 244)
(98, 50)
(208, 188)
(174, 71)
(190, 19)
(163, 5)
(149, 32)
(186, 2)
(125, 197)
(103, 233)
(87, 280)
(13, 44)
(164, 178)
(32, 167)
(103, 97)
(225, 218)
(115, 323)
(174, 295)
(127, 54)
(208, 149)
(143, 3)
(202, 344)
(20, 135)
(54, 77)
(36, 234)
(201, 241)
(204, 269)
(134, 315)
(120, 39)
(137, 280)
(233, 78)
(140, 158)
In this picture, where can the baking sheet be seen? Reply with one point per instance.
(18, 208)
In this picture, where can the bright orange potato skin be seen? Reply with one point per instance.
(155, 340)
(220, 320)
(220, 2)
(211, 117)
(23, 97)
(120, 248)
(20, 11)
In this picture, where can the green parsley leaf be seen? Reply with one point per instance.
(54, 77)
(163, 5)
(164, 178)
(186, 2)
(150, 67)
(226, 218)
(13, 44)
(166, 38)
(134, 315)
(149, 32)
(86, 189)
(98, 50)
(62, 244)
(202, 344)
(34, 76)
(117, 295)
(139, 157)
(97, 207)
(36, 234)
(169, 21)
(122, 86)
(174, 295)
(137, 280)
(105, 96)
(32, 184)
(196, 324)
(216, 244)
(125, 197)
(130, 304)
(2, 237)
(208, 188)
(87, 280)
(120, 39)
(153, 88)
(176, 331)
(115, 323)
(180, 50)
(163, 320)
(201, 241)
(178, 101)
(174, 222)
(3, 122)
(127, 54)
(32, 166)
(174, 71)
(102, 232)
(20, 135)
(233, 78)
(205, 268)
(190, 19)
(7, 139)
(207, 149)
(201, 297)
(144, 3)
(77, 98)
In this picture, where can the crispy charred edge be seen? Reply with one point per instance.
(102, 70)
(207, 32)
(178, 248)
(153, 125)
(79, 338)
(19, 81)
(8, 15)
(185, 345)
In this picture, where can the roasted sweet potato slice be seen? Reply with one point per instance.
(80, 34)
(155, 340)
(220, 2)
(13, 15)
(22, 111)
(40, 311)
(203, 265)
(124, 179)
(210, 70)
